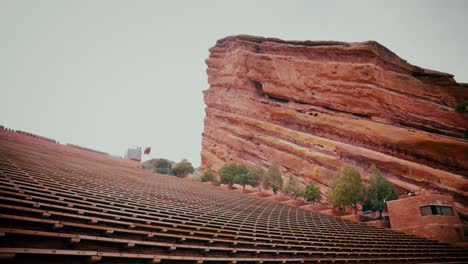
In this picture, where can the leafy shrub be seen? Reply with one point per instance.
(256, 175)
(273, 178)
(162, 166)
(293, 188)
(241, 175)
(209, 176)
(246, 176)
(312, 193)
(182, 169)
(228, 173)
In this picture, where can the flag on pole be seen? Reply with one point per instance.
(147, 150)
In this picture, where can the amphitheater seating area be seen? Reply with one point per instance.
(63, 204)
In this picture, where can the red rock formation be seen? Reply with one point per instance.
(312, 106)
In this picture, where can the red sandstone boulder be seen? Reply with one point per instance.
(313, 106)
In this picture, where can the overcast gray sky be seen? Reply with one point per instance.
(112, 74)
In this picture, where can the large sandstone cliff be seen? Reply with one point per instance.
(313, 106)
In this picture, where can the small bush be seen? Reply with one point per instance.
(229, 171)
(208, 176)
(162, 166)
(256, 175)
(293, 188)
(312, 193)
(182, 169)
(273, 178)
(245, 176)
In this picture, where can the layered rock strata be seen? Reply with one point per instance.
(313, 106)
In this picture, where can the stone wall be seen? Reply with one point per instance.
(405, 216)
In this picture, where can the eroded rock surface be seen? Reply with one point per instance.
(313, 106)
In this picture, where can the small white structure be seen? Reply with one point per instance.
(133, 154)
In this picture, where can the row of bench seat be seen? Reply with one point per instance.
(57, 204)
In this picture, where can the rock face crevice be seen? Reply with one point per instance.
(312, 106)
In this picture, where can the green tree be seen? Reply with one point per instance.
(241, 176)
(256, 175)
(275, 189)
(294, 188)
(273, 176)
(266, 183)
(182, 169)
(346, 188)
(228, 173)
(379, 191)
(312, 193)
(162, 166)
(208, 176)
